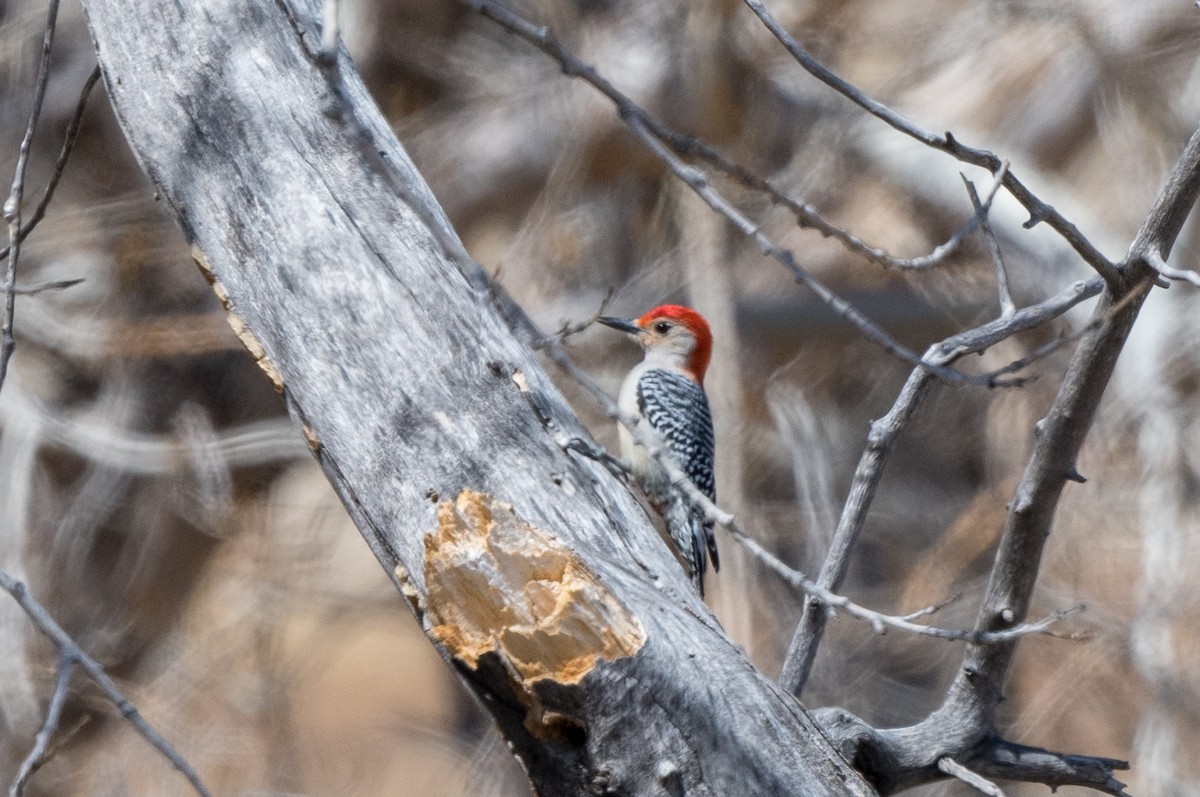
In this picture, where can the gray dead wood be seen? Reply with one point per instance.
(963, 727)
(345, 279)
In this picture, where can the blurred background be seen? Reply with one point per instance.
(157, 499)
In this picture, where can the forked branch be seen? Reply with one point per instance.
(69, 656)
(881, 440)
(964, 727)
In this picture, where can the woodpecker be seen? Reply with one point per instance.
(666, 391)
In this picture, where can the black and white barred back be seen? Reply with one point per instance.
(677, 409)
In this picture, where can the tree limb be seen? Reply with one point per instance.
(346, 282)
(963, 727)
(881, 440)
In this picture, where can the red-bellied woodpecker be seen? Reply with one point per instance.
(666, 392)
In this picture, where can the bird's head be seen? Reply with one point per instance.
(678, 335)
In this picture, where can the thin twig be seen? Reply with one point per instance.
(12, 206)
(879, 621)
(41, 742)
(1039, 211)
(973, 779)
(63, 738)
(695, 180)
(971, 701)
(690, 146)
(933, 608)
(43, 287)
(1156, 262)
(1095, 323)
(987, 335)
(69, 651)
(60, 165)
(1007, 307)
(568, 330)
(881, 440)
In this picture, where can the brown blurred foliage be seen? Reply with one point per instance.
(158, 500)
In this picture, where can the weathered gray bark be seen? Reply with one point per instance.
(566, 614)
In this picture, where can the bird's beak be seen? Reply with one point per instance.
(623, 324)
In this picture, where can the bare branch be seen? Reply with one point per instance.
(60, 164)
(806, 216)
(1061, 434)
(568, 330)
(964, 726)
(695, 180)
(690, 146)
(881, 440)
(1156, 262)
(70, 654)
(879, 621)
(1095, 323)
(934, 608)
(987, 335)
(975, 781)
(41, 742)
(43, 287)
(1007, 307)
(999, 758)
(1039, 211)
(1172, 206)
(12, 206)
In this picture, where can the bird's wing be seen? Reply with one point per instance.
(677, 409)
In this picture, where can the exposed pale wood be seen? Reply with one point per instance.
(350, 287)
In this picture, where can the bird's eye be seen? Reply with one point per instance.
(661, 327)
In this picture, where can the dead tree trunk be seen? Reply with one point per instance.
(535, 572)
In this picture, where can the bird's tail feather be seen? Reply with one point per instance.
(693, 538)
